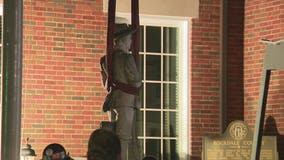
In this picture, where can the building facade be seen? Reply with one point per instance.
(199, 73)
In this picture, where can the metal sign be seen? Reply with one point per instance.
(236, 143)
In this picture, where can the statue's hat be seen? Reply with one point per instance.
(122, 29)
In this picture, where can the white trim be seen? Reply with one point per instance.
(158, 54)
(153, 109)
(159, 138)
(159, 82)
(79, 158)
(151, 19)
(1, 9)
(184, 79)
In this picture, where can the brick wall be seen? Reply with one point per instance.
(62, 93)
(263, 20)
(205, 63)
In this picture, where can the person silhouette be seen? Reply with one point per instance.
(149, 158)
(55, 151)
(270, 129)
(103, 145)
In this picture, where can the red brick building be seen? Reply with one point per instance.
(62, 92)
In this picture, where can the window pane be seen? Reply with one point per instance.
(153, 67)
(153, 124)
(153, 95)
(170, 68)
(139, 121)
(170, 40)
(153, 39)
(141, 145)
(170, 150)
(170, 124)
(141, 95)
(153, 148)
(141, 48)
(141, 62)
(170, 96)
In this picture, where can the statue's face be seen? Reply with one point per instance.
(128, 40)
(124, 43)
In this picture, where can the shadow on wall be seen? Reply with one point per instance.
(270, 129)
(235, 61)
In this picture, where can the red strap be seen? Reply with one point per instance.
(135, 44)
(136, 37)
(110, 37)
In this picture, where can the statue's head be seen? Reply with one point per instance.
(122, 30)
(123, 36)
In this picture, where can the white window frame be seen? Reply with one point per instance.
(184, 149)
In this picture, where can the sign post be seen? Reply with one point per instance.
(273, 60)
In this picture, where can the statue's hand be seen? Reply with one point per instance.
(107, 103)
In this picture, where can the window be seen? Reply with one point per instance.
(163, 118)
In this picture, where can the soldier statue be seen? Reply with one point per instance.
(123, 101)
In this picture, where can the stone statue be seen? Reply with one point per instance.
(121, 102)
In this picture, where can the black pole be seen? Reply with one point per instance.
(223, 67)
(12, 79)
(258, 128)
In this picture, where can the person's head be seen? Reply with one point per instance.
(123, 36)
(149, 158)
(54, 151)
(103, 145)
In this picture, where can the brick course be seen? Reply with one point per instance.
(62, 93)
(205, 73)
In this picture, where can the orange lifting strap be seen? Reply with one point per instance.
(110, 37)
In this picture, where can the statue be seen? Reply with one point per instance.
(123, 101)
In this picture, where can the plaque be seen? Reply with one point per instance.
(236, 144)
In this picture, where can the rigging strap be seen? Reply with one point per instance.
(134, 48)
